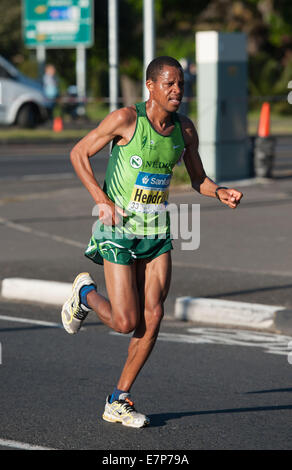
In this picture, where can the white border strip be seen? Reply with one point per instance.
(21, 445)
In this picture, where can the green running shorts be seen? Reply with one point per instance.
(126, 250)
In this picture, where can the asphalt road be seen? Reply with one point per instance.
(37, 161)
(242, 255)
(203, 388)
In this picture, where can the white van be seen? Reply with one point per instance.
(22, 101)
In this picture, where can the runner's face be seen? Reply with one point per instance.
(168, 88)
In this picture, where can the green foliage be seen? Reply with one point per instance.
(277, 28)
(177, 47)
(10, 28)
(263, 72)
(29, 67)
(96, 112)
(132, 67)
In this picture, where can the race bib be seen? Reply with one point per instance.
(150, 193)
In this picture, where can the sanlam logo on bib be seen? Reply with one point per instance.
(152, 180)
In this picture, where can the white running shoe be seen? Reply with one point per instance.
(73, 312)
(123, 411)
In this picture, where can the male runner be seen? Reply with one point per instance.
(133, 242)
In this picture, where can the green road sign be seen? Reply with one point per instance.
(57, 23)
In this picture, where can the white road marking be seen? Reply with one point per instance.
(28, 320)
(34, 322)
(179, 264)
(21, 445)
(269, 342)
(40, 233)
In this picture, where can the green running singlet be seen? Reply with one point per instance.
(138, 177)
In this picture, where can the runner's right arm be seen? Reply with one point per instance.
(118, 123)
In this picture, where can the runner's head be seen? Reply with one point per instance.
(165, 82)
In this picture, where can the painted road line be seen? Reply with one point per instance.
(180, 264)
(40, 233)
(31, 321)
(21, 445)
(225, 312)
(269, 342)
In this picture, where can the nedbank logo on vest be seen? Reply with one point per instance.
(158, 165)
(136, 161)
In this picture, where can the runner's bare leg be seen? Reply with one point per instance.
(131, 289)
(121, 312)
(153, 291)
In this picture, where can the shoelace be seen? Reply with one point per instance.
(127, 404)
(78, 311)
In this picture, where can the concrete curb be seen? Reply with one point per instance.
(35, 290)
(231, 313)
(197, 310)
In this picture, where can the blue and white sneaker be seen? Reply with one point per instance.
(73, 312)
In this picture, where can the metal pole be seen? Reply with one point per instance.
(81, 70)
(149, 38)
(113, 54)
(41, 60)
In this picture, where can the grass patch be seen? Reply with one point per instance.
(279, 124)
(96, 112)
(73, 130)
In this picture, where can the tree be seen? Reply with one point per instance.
(10, 28)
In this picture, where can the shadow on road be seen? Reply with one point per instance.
(249, 291)
(163, 418)
(275, 390)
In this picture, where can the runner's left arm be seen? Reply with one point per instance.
(199, 180)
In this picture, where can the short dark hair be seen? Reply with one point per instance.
(156, 66)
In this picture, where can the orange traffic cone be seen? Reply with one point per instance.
(264, 124)
(57, 124)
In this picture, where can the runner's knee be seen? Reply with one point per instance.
(125, 325)
(155, 313)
